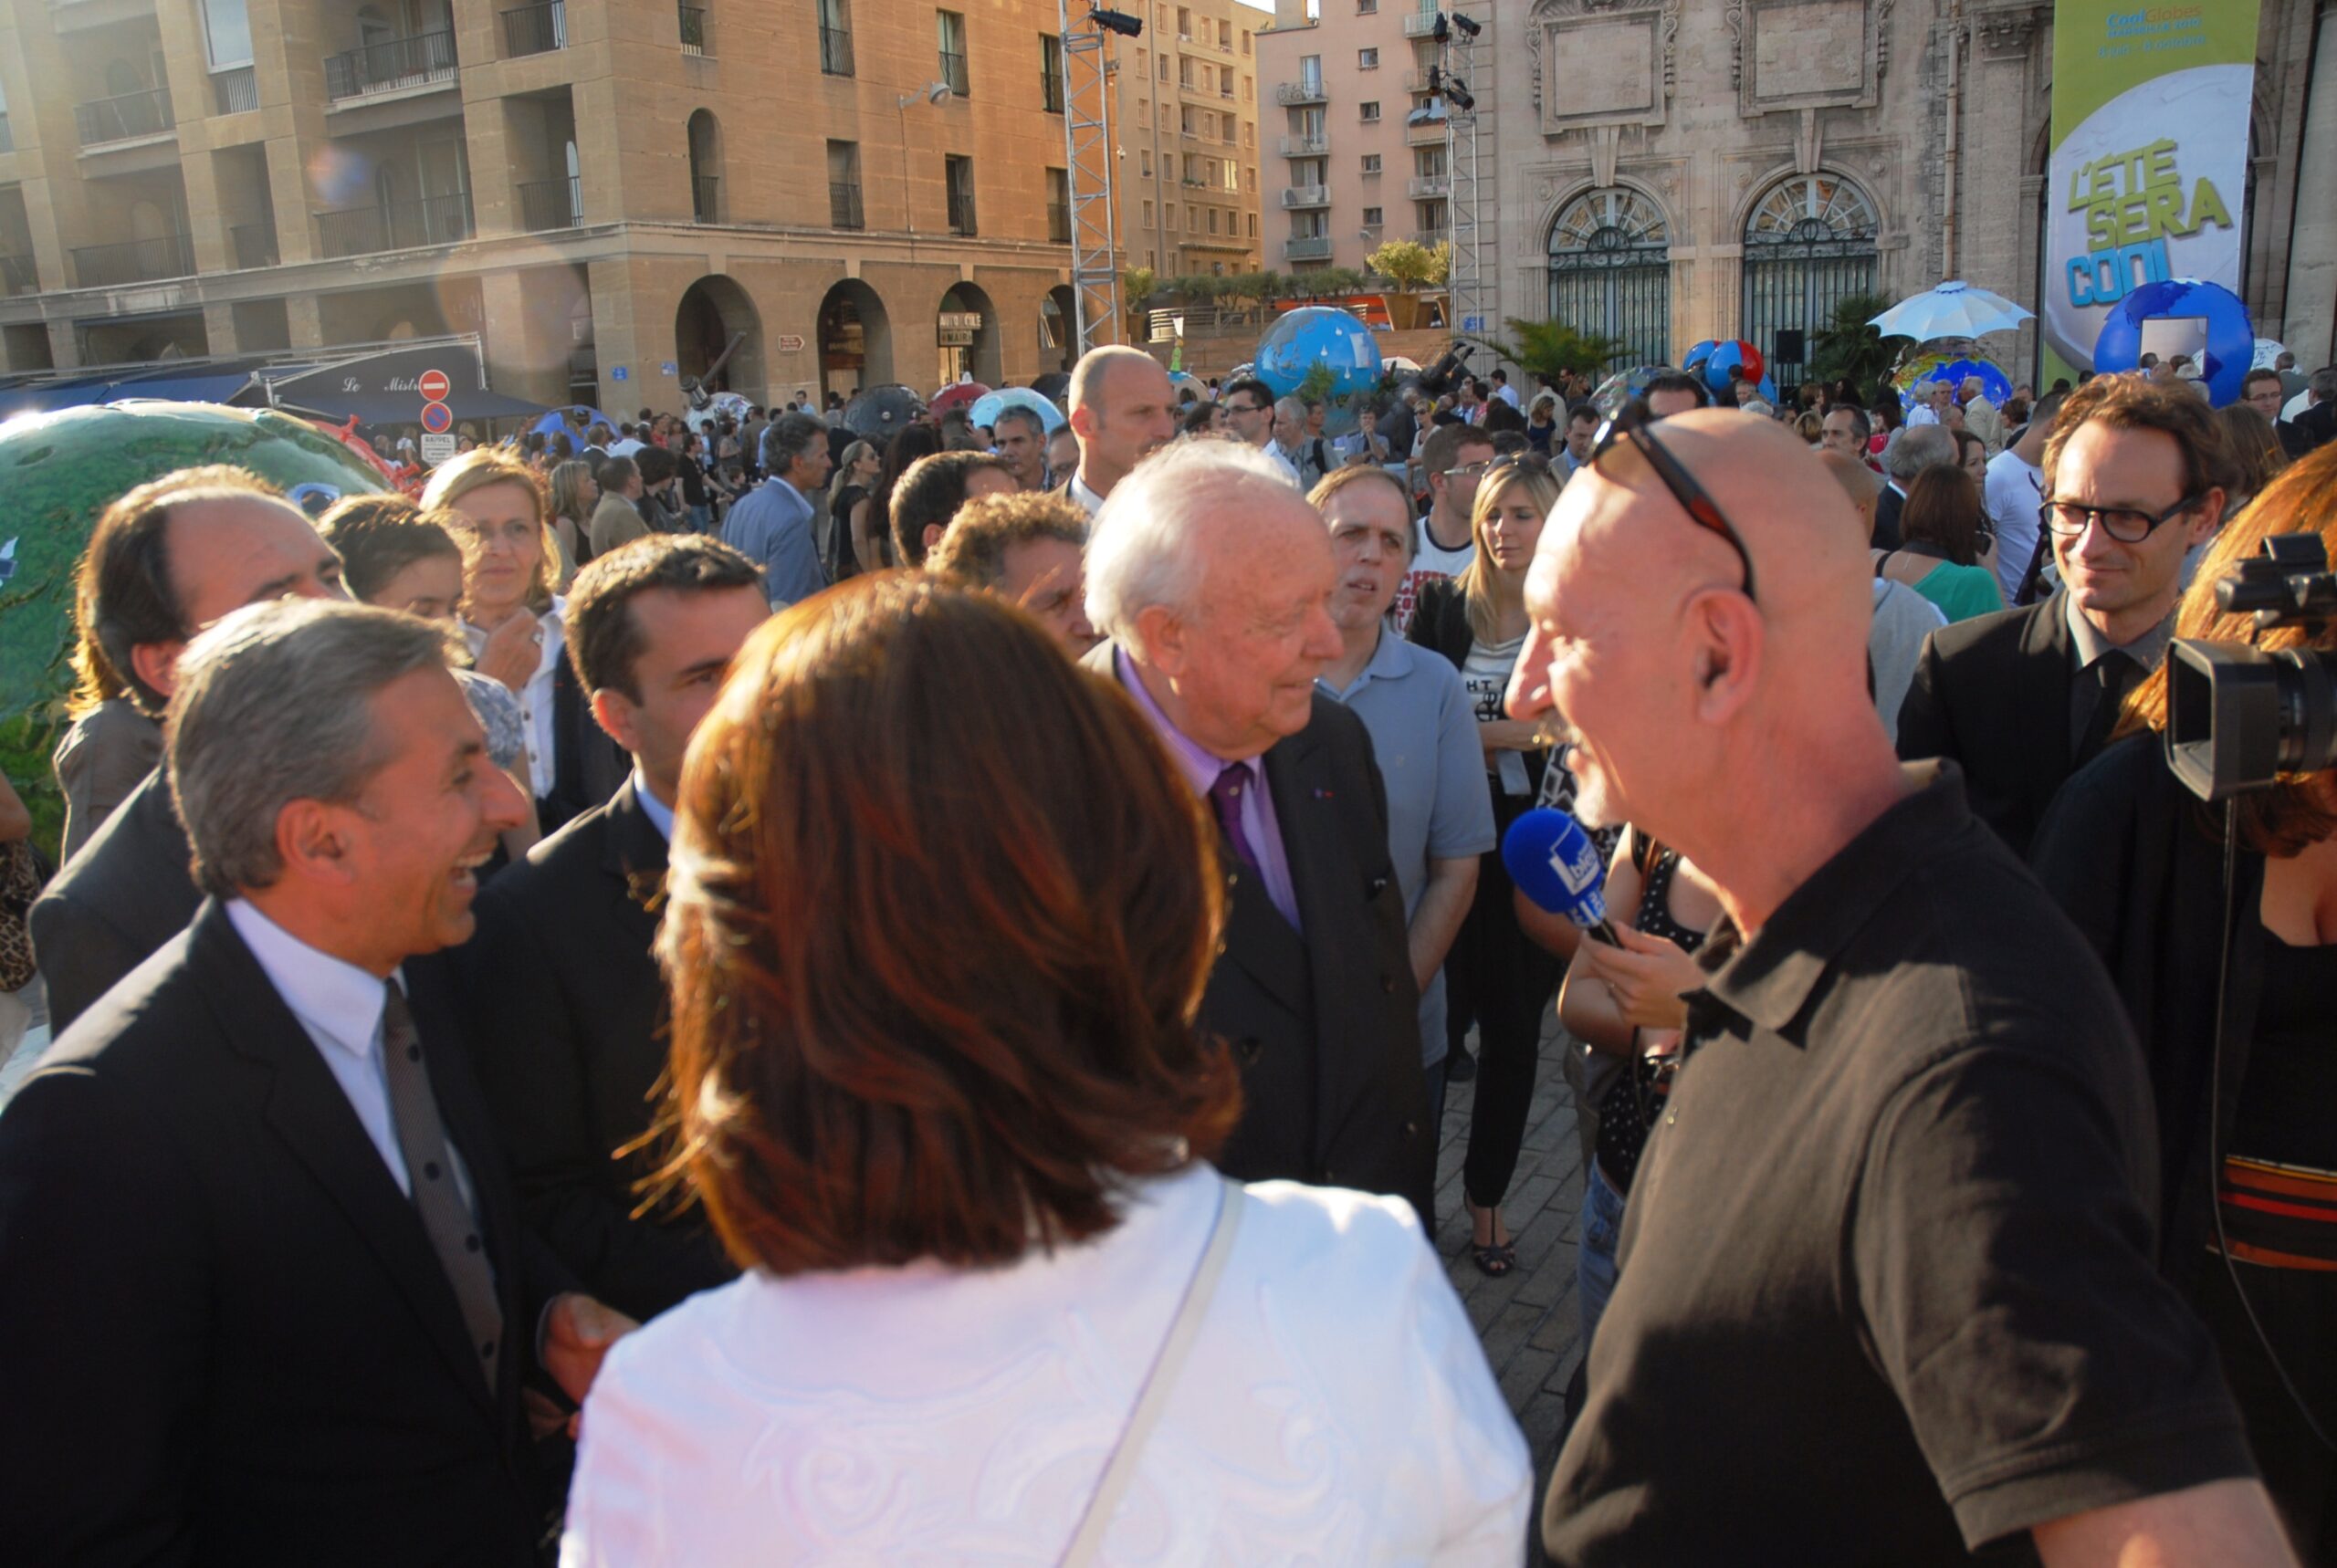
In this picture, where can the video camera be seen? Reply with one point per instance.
(2237, 717)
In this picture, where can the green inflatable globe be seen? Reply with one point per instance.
(58, 473)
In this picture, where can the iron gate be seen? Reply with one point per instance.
(1610, 274)
(1809, 243)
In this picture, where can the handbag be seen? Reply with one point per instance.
(1159, 1382)
(22, 877)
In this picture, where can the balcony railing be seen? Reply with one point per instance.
(254, 244)
(1051, 91)
(1419, 25)
(1313, 146)
(706, 198)
(1306, 196)
(535, 29)
(1311, 247)
(692, 25)
(551, 204)
(1416, 81)
(843, 206)
(953, 71)
(1428, 132)
(396, 226)
(1428, 239)
(235, 90)
(391, 64)
(133, 261)
(961, 212)
(18, 276)
(835, 50)
(1058, 223)
(1426, 187)
(1294, 92)
(124, 119)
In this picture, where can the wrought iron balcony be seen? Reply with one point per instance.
(535, 29)
(389, 65)
(835, 50)
(124, 118)
(396, 226)
(133, 261)
(551, 204)
(953, 71)
(843, 206)
(1306, 196)
(254, 244)
(692, 25)
(705, 199)
(1298, 92)
(235, 90)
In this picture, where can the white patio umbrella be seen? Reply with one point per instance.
(1950, 311)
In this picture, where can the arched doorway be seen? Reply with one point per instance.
(968, 337)
(1808, 242)
(713, 311)
(1058, 329)
(706, 167)
(856, 339)
(1610, 273)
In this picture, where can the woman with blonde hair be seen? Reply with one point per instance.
(2219, 925)
(935, 1076)
(1495, 975)
(489, 501)
(573, 496)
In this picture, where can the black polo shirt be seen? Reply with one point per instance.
(1887, 1290)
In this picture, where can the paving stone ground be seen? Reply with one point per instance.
(1527, 1319)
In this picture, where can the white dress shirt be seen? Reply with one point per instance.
(1336, 1407)
(660, 815)
(536, 705)
(1087, 498)
(339, 1007)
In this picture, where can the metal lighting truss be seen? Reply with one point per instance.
(1470, 288)
(1087, 152)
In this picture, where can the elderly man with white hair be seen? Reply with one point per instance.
(1981, 417)
(1211, 579)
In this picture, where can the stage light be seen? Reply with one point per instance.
(1470, 27)
(1443, 30)
(1118, 22)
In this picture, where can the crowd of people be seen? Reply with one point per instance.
(582, 1032)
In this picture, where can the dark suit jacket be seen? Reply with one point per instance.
(1324, 1027)
(586, 764)
(1993, 693)
(128, 891)
(225, 1336)
(2315, 426)
(1886, 518)
(567, 1013)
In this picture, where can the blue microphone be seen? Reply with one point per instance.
(1555, 863)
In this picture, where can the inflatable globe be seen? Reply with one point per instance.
(59, 471)
(2223, 363)
(1622, 386)
(1713, 360)
(1912, 377)
(1317, 335)
(988, 407)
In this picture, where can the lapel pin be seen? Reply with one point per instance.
(1322, 794)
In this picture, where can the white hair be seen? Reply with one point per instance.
(1143, 549)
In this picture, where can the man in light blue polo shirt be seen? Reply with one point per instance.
(1423, 733)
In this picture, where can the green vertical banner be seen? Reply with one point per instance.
(2149, 157)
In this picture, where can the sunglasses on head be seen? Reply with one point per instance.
(1702, 509)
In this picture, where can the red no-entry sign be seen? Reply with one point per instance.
(434, 386)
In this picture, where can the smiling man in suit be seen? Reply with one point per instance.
(1212, 579)
(563, 994)
(264, 1294)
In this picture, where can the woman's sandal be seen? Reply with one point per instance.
(1494, 1259)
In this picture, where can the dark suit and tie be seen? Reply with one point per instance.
(226, 1335)
(569, 1011)
(126, 894)
(2004, 695)
(1323, 1015)
(1886, 514)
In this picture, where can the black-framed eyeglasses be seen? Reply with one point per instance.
(1245, 408)
(1702, 509)
(2127, 525)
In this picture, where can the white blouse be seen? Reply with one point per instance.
(1335, 1408)
(535, 701)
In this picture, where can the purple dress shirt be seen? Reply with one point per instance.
(1200, 768)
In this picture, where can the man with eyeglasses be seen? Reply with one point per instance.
(1898, 1212)
(1249, 406)
(1456, 457)
(2137, 472)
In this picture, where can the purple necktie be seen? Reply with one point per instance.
(1226, 796)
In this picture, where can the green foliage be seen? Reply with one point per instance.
(1848, 349)
(1325, 282)
(1550, 348)
(1316, 385)
(1137, 285)
(1410, 266)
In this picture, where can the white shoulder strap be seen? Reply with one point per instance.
(1153, 1397)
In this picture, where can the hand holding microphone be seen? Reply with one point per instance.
(1556, 865)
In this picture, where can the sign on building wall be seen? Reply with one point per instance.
(2149, 157)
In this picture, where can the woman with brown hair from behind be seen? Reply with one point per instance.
(956, 1127)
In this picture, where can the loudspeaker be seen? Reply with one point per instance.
(1789, 346)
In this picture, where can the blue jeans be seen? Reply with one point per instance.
(1594, 1260)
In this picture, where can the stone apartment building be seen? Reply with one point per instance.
(608, 192)
(1185, 109)
(1667, 171)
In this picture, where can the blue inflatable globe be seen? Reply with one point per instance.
(2230, 334)
(1317, 335)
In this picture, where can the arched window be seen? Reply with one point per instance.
(1610, 273)
(1809, 244)
(706, 168)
